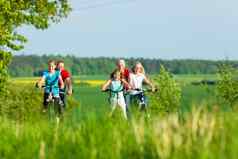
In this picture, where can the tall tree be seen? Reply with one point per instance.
(14, 14)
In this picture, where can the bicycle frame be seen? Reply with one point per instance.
(140, 99)
(54, 109)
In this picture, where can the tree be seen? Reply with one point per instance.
(16, 13)
(168, 98)
(227, 87)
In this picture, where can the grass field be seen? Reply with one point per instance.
(205, 129)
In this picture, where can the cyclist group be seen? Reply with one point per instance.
(124, 85)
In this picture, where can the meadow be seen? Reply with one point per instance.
(205, 128)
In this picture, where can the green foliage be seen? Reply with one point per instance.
(87, 131)
(19, 103)
(14, 14)
(4, 61)
(32, 65)
(201, 135)
(168, 97)
(227, 87)
(25, 102)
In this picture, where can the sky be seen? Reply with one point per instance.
(165, 29)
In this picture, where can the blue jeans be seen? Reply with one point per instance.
(138, 99)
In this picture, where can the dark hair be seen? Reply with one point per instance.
(51, 61)
(113, 73)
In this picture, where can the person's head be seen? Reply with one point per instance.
(138, 68)
(116, 75)
(60, 65)
(121, 64)
(51, 65)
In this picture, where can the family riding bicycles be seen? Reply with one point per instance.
(126, 88)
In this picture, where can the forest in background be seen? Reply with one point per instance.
(33, 65)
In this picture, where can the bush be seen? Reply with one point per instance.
(4, 62)
(25, 102)
(168, 97)
(227, 87)
(20, 102)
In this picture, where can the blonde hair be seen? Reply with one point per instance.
(60, 62)
(121, 61)
(141, 67)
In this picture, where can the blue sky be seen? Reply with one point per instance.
(168, 29)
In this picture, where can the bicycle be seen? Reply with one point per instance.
(139, 99)
(116, 98)
(54, 105)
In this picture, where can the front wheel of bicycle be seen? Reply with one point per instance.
(51, 111)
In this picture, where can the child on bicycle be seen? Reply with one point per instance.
(51, 79)
(136, 80)
(116, 87)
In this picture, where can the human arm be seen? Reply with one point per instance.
(40, 82)
(147, 81)
(61, 82)
(68, 83)
(125, 83)
(106, 85)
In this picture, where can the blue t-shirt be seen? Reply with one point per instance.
(116, 87)
(52, 82)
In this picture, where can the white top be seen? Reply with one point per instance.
(136, 81)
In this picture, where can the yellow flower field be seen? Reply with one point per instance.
(32, 80)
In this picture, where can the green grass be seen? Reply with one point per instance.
(203, 132)
(200, 135)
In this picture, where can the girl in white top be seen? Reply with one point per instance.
(116, 88)
(137, 78)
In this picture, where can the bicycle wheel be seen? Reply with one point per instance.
(51, 111)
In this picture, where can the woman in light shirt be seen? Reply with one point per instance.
(136, 80)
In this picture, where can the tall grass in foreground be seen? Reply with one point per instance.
(87, 131)
(200, 134)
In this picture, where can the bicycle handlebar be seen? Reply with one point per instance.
(144, 90)
(109, 90)
(139, 90)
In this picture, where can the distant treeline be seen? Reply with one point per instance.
(33, 65)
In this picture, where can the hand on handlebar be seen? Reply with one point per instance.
(69, 92)
(37, 85)
(153, 89)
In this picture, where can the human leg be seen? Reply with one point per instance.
(113, 103)
(122, 104)
(63, 99)
(127, 98)
(142, 100)
(59, 105)
(45, 101)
